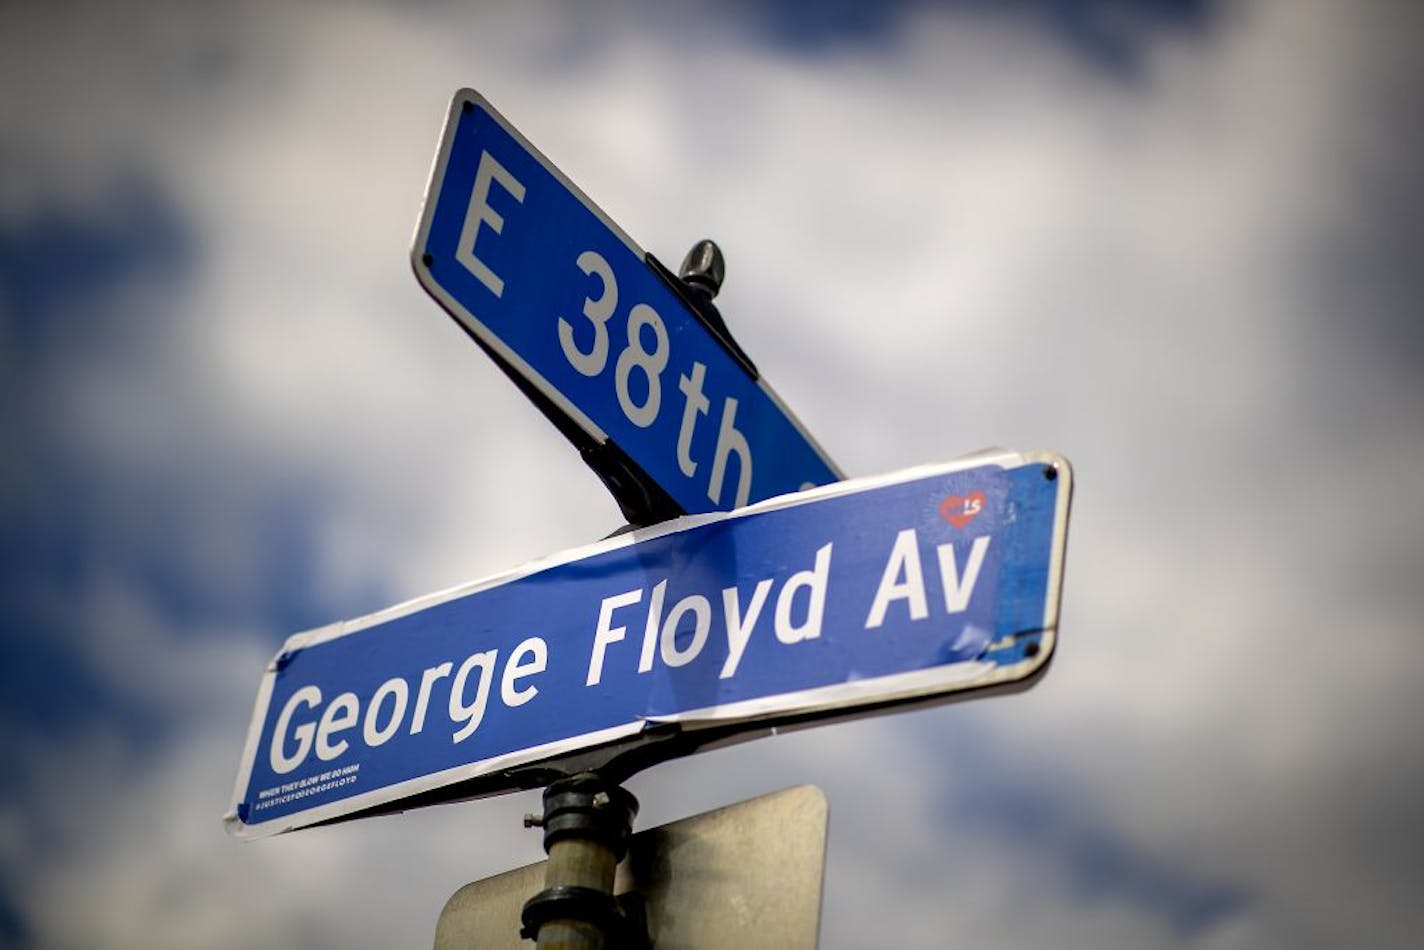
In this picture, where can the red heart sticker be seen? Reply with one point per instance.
(959, 510)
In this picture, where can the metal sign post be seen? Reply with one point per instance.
(747, 876)
(587, 822)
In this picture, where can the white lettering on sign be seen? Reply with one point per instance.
(479, 212)
(957, 589)
(650, 631)
(729, 440)
(788, 607)
(640, 363)
(339, 716)
(695, 404)
(638, 370)
(904, 579)
(376, 735)
(468, 701)
(281, 762)
(517, 669)
(422, 702)
(598, 312)
(681, 636)
(650, 364)
(739, 628)
(471, 713)
(674, 654)
(814, 583)
(607, 633)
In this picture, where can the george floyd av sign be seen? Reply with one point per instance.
(922, 585)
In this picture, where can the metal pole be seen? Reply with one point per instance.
(587, 822)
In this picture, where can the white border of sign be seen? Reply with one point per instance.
(477, 327)
(954, 678)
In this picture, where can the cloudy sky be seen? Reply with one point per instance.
(1177, 241)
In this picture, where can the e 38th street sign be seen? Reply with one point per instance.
(908, 587)
(566, 302)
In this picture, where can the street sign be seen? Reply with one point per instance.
(908, 587)
(765, 858)
(570, 307)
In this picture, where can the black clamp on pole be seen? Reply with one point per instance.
(587, 822)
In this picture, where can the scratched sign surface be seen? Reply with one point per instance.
(928, 582)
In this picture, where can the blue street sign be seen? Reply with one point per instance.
(907, 587)
(542, 278)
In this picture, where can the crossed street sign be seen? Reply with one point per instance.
(592, 331)
(803, 604)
